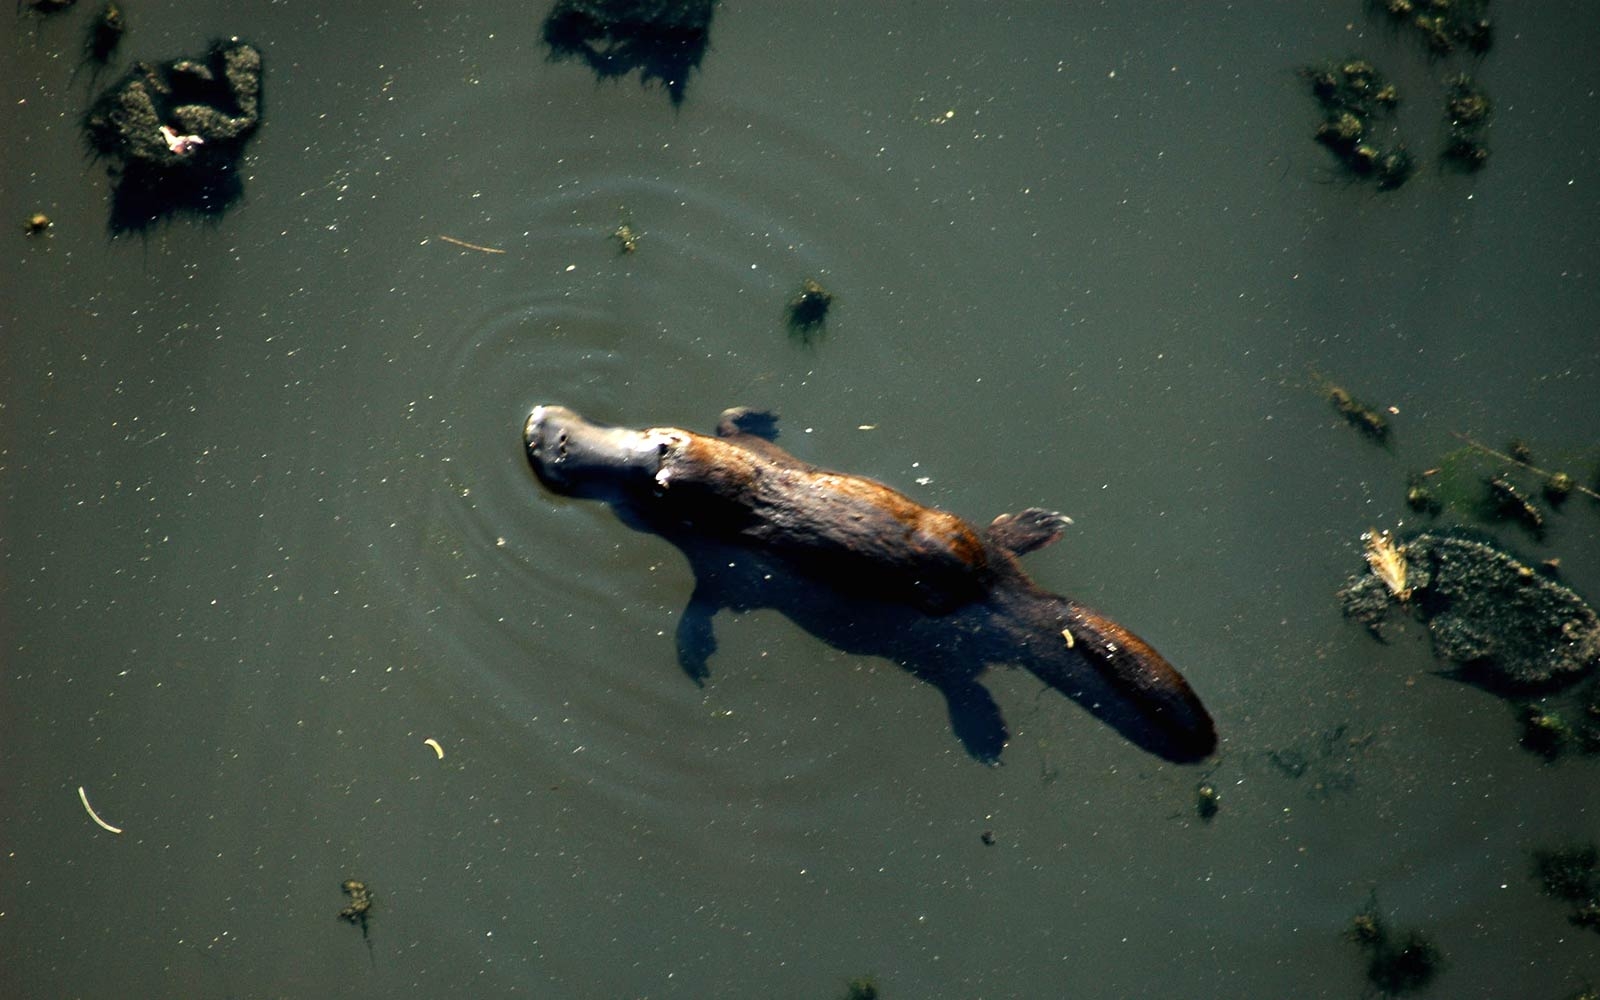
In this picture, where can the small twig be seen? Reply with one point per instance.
(1517, 461)
(83, 797)
(469, 246)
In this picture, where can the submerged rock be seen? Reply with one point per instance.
(1507, 626)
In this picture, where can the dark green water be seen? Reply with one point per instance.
(268, 527)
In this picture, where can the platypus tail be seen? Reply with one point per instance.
(1111, 672)
(1153, 685)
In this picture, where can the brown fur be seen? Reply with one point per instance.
(841, 524)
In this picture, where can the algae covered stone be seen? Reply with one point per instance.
(175, 133)
(1506, 625)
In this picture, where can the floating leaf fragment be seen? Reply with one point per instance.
(1388, 562)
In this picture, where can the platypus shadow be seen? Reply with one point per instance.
(868, 571)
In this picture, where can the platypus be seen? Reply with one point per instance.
(867, 569)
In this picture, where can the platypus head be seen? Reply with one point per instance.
(570, 455)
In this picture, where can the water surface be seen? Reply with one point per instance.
(267, 524)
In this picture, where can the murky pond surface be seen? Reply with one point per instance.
(268, 526)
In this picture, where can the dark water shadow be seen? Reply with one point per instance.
(664, 41)
(949, 651)
(142, 199)
(101, 41)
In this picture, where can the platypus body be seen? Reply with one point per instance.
(868, 570)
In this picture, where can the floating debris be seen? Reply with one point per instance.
(1557, 487)
(1387, 562)
(360, 905)
(1207, 801)
(36, 224)
(1460, 484)
(1466, 115)
(1420, 497)
(176, 133)
(105, 34)
(1508, 627)
(1443, 25)
(1507, 501)
(1355, 100)
(1519, 453)
(627, 238)
(808, 311)
(1360, 415)
(1544, 732)
(438, 751)
(1468, 106)
(470, 246)
(1366, 928)
(1556, 724)
(83, 797)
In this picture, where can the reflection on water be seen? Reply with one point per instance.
(269, 528)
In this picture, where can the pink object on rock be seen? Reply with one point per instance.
(180, 145)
